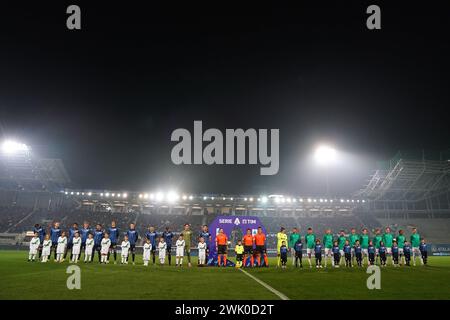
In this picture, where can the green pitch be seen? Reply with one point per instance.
(23, 280)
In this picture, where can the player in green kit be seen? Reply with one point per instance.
(401, 243)
(415, 244)
(187, 235)
(328, 245)
(353, 238)
(387, 240)
(341, 243)
(293, 238)
(310, 239)
(364, 240)
(376, 242)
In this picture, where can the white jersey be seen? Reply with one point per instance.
(125, 247)
(106, 243)
(162, 246)
(62, 243)
(147, 250)
(202, 247)
(34, 245)
(89, 246)
(180, 248)
(46, 247)
(76, 247)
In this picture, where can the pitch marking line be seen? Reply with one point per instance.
(265, 285)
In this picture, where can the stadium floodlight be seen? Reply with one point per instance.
(294, 200)
(159, 196)
(224, 198)
(309, 200)
(231, 199)
(289, 200)
(119, 195)
(314, 200)
(101, 194)
(191, 197)
(89, 194)
(283, 200)
(342, 200)
(172, 196)
(277, 200)
(12, 147)
(82, 193)
(66, 192)
(145, 195)
(331, 200)
(125, 195)
(107, 194)
(250, 199)
(204, 198)
(325, 155)
(363, 201)
(184, 197)
(301, 199)
(151, 196)
(320, 200)
(212, 198)
(245, 199)
(140, 196)
(264, 199)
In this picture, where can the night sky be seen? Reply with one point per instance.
(106, 99)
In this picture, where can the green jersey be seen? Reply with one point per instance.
(310, 240)
(293, 238)
(415, 240)
(341, 241)
(328, 241)
(376, 240)
(187, 237)
(364, 241)
(387, 239)
(353, 237)
(401, 241)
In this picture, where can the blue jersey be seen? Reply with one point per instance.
(205, 235)
(283, 250)
(152, 237)
(423, 247)
(347, 249)
(113, 235)
(168, 236)
(382, 249)
(335, 250)
(72, 234)
(357, 249)
(84, 232)
(371, 250)
(298, 247)
(318, 248)
(98, 236)
(54, 235)
(132, 236)
(395, 250)
(407, 249)
(41, 233)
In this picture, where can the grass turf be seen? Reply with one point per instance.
(23, 280)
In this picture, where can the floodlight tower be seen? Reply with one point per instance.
(325, 157)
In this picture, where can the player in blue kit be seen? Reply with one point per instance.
(358, 253)
(298, 247)
(371, 251)
(283, 254)
(395, 250)
(318, 254)
(74, 229)
(423, 250)
(114, 235)
(84, 233)
(132, 238)
(407, 252)
(152, 235)
(98, 236)
(336, 251)
(206, 235)
(168, 237)
(382, 252)
(41, 234)
(348, 254)
(55, 233)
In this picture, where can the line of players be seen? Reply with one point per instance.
(353, 247)
(349, 248)
(106, 242)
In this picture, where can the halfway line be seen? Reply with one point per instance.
(265, 285)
